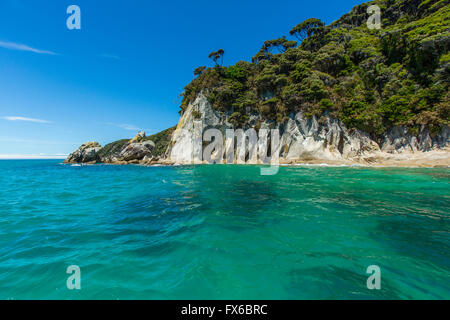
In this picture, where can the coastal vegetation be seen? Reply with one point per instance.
(371, 80)
(161, 141)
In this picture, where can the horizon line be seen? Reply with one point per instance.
(17, 156)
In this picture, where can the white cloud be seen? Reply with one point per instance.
(129, 127)
(125, 126)
(23, 47)
(25, 119)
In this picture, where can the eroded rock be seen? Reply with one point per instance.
(136, 151)
(86, 153)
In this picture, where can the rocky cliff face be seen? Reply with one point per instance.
(302, 139)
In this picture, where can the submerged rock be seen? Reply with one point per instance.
(86, 153)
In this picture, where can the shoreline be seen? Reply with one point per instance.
(431, 159)
(300, 164)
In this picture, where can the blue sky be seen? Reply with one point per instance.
(123, 71)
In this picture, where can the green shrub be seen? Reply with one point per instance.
(197, 114)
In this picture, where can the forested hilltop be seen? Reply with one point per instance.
(371, 80)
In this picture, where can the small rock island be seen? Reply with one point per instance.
(139, 150)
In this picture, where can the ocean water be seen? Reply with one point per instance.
(222, 232)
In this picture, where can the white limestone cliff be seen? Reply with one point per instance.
(301, 139)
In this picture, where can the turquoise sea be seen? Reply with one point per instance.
(222, 232)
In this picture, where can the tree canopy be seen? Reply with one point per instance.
(369, 80)
(281, 45)
(216, 55)
(200, 70)
(306, 28)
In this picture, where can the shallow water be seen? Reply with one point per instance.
(222, 232)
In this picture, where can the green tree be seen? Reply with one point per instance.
(306, 29)
(289, 44)
(278, 44)
(200, 70)
(216, 55)
(281, 44)
(260, 56)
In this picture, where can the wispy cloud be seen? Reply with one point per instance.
(129, 127)
(23, 47)
(125, 126)
(110, 56)
(25, 119)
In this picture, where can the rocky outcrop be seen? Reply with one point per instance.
(400, 140)
(301, 138)
(139, 137)
(135, 151)
(86, 153)
(306, 138)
